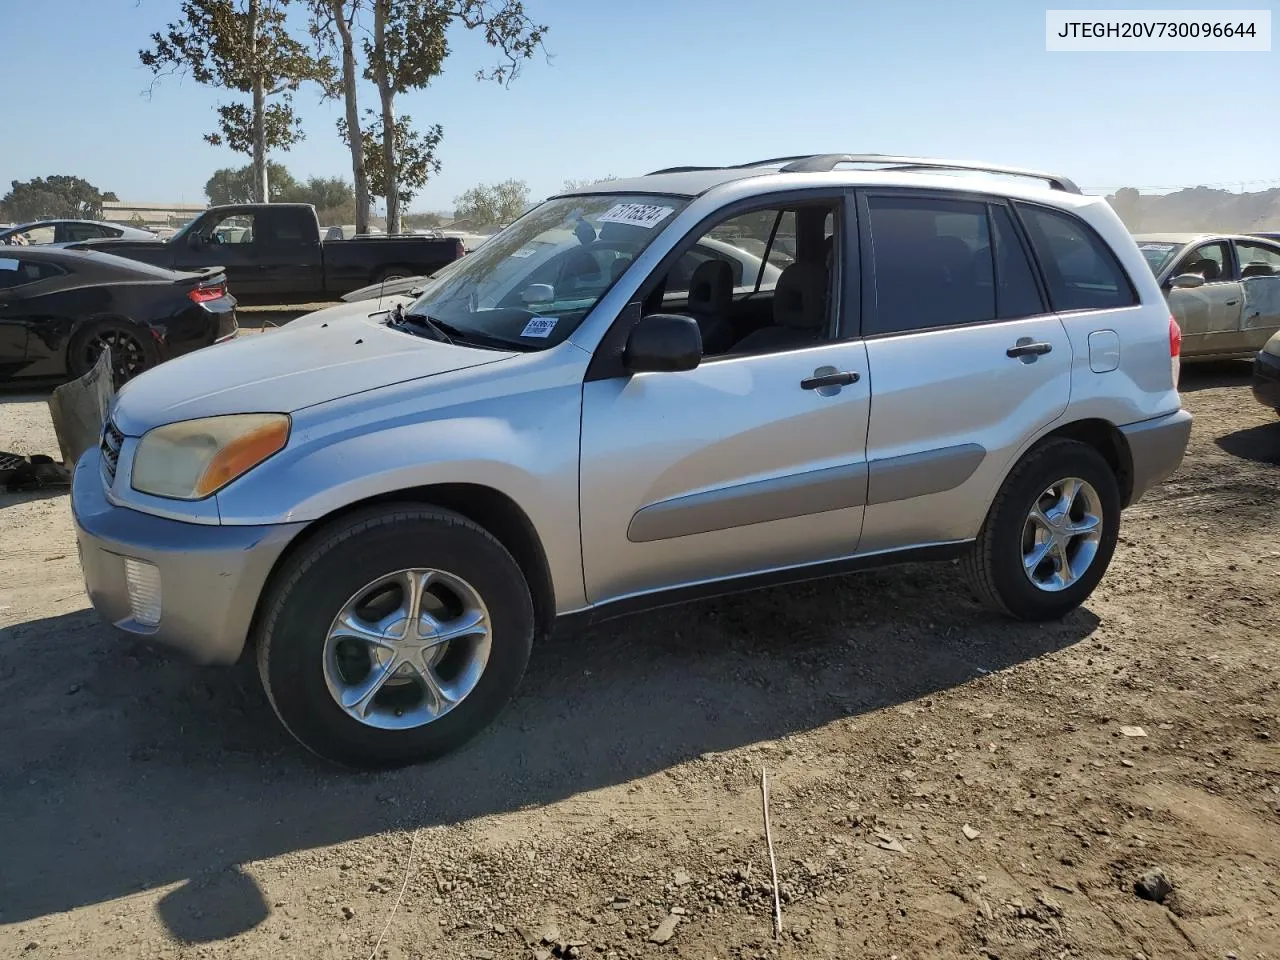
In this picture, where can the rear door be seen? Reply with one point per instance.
(1209, 314)
(966, 360)
(1260, 284)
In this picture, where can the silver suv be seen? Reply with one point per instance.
(909, 359)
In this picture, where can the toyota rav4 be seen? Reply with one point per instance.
(643, 391)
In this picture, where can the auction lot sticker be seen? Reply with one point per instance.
(645, 215)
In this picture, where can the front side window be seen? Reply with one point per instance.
(1212, 261)
(233, 229)
(1079, 268)
(932, 263)
(530, 286)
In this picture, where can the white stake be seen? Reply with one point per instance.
(773, 863)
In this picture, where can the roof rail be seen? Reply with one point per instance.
(654, 173)
(825, 162)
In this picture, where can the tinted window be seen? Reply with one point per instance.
(84, 231)
(15, 272)
(1016, 292)
(1080, 270)
(932, 263)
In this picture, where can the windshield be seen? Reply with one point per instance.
(1158, 254)
(533, 283)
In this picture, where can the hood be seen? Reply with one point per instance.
(387, 289)
(345, 313)
(272, 372)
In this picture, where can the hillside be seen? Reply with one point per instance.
(1200, 208)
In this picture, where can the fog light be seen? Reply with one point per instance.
(143, 580)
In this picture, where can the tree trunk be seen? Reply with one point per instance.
(355, 135)
(260, 185)
(387, 96)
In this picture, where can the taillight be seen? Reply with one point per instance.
(1175, 348)
(205, 294)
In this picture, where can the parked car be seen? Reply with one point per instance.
(1223, 289)
(44, 232)
(1266, 374)
(347, 231)
(388, 510)
(59, 308)
(272, 252)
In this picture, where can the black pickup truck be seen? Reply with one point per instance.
(272, 253)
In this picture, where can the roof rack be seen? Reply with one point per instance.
(824, 162)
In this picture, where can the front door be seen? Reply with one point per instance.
(228, 242)
(1209, 314)
(748, 463)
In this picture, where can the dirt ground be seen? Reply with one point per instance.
(943, 783)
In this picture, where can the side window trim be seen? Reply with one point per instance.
(1020, 205)
(606, 361)
(1028, 251)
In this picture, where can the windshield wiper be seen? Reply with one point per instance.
(456, 335)
(438, 330)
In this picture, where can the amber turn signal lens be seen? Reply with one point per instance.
(243, 454)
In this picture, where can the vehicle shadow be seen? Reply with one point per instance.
(1211, 374)
(1260, 444)
(125, 770)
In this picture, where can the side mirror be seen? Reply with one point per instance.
(663, 342)
(538, 293)
(1185, 281)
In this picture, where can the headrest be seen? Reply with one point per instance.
(1258, 269)
(800, 298)
(1205, 267)
(711, 286)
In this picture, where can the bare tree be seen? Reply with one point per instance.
(245, 46)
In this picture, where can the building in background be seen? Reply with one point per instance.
(160, 217)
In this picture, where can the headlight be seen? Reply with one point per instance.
(1272, 346)
(194, 458)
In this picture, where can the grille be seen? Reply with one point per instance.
(112, 439)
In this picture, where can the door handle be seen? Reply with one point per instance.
(1232, 303)
(841, 379)
(1028, 350)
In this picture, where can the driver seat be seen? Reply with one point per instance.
(710, 296)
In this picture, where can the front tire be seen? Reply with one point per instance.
(1050, 534)
(395, 637)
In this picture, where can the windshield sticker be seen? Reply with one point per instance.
(540, 327)
(7, 263)
(526, 251)
(645, 215)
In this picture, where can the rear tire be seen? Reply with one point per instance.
(1002, 565)
(394, 273)
(311, 678)
(132, 349)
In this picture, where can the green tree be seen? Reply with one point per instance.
(137, 221)
(243, 46)
(235, 184)
(407, 50)
(415, 156)
(324, 193)
(487, 205)
(46, 198)
(427, 220)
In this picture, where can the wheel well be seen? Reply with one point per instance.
(1108, 441)
(496, 512)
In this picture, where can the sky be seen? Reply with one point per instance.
(631, 87)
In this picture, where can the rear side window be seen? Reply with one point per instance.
(17, 272)
(932, 263)
(1079, 268)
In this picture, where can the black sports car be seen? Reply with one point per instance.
(59, 308)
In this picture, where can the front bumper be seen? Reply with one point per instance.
(210, 576)
(1266, 380)
(1156, 449)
